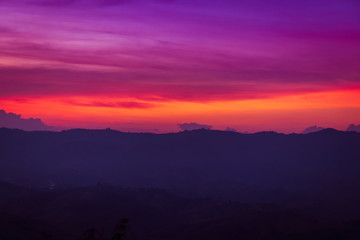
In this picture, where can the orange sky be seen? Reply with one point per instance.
(288, 113)
(248, 65)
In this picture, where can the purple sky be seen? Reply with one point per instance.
(140, 54)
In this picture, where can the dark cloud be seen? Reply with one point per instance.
(140, 85)
(12, 120)
(141, 105)
(193, 126)
(71, 2)
(111, 2)
(353, 128)
(229, 129)
(54, 2)
(312, 129)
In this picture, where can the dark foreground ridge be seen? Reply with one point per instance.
(309, 183)
(90, 213)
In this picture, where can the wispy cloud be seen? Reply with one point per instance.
(193, 126)
(185, 51)
(129, 105)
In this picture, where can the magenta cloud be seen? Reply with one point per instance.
(184, 50)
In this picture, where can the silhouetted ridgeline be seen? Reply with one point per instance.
(317, 171)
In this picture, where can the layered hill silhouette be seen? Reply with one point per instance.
(199, 184)
(156, 215)
(261, 167)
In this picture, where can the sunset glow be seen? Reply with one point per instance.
(148, 65)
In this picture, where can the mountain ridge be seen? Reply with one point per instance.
(260, 167)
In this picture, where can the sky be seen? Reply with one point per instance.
(136, 65)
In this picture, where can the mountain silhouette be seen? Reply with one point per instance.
(200, 184)
(157, 214)
(260, 167)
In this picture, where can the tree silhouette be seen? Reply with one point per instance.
(120, 230)
(119, 233)
(88, 234)
(45, 236)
